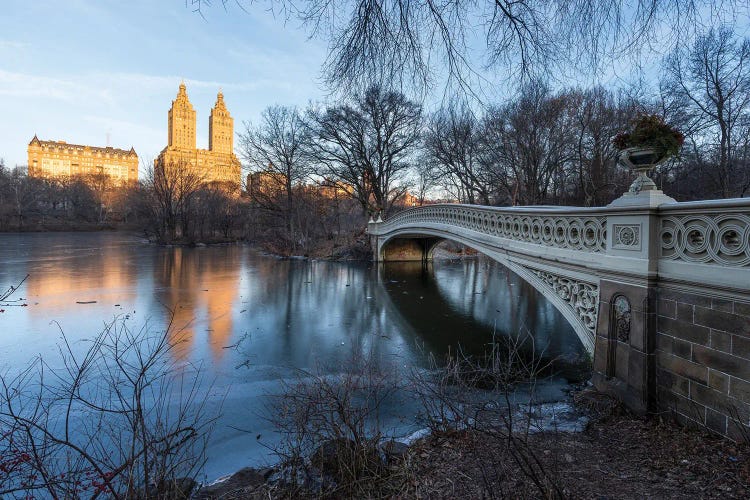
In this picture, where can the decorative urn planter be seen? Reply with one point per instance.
(649, 142)
(641, 160)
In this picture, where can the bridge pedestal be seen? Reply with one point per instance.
(624, 353)
(625, 342)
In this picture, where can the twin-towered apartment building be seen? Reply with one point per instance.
(217, 164)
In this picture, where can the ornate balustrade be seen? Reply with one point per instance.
(716, 232)
(571, 228)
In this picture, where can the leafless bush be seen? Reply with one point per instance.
(331, 428)
(476, 395)
(456, 393)
(119, 420)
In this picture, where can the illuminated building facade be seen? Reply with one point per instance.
(218, 163)
(58, 159)
(267, 183)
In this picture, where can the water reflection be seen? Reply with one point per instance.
(306, 313)
(285, 312)
(469, 302)
(192, 283)
(250, 319)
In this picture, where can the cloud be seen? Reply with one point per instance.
(162, 83)
(104, 87)
(15, 84)
(12, 45)
(110, 122)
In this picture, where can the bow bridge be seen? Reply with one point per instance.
(657, 291)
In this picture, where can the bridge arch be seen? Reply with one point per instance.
(575, 296)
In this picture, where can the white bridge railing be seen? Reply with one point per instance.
(706, 232)
(704, 243)
(581, 229)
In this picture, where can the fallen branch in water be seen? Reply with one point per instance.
(10, 291)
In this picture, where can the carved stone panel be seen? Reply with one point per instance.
(582, 297)
(621, 314)
(626, 236)
(722, 239)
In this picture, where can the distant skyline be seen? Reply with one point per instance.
(82, 69)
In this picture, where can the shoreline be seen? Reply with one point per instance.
(350, 253)
(615, 455)
(543, 417)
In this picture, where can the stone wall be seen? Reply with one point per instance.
(624, 351)
(703, 361)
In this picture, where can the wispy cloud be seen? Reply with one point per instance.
(12, 45)
(122, 124)
(164, 82)
(15, 84)
(107, 88)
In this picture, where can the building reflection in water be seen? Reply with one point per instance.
(85, 281)
(75, 285)
(58, 281)
(199, 291)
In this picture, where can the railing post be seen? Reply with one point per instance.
(625, 346)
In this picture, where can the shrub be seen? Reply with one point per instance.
(119, 421)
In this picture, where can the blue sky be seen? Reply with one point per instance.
(77, 70)
(83, 70)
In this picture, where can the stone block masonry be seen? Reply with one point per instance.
(703, 361)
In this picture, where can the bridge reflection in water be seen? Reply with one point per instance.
(468, 302)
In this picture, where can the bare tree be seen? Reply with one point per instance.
(24, 195)
(413, 43)
(368, 146)
(596, 117)
(453, 148)
(101, 187)
(711, 80)
(427, 178)
(276, 148)
(528, 143)
(171, 189)
(118, 421)
(80, 199)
